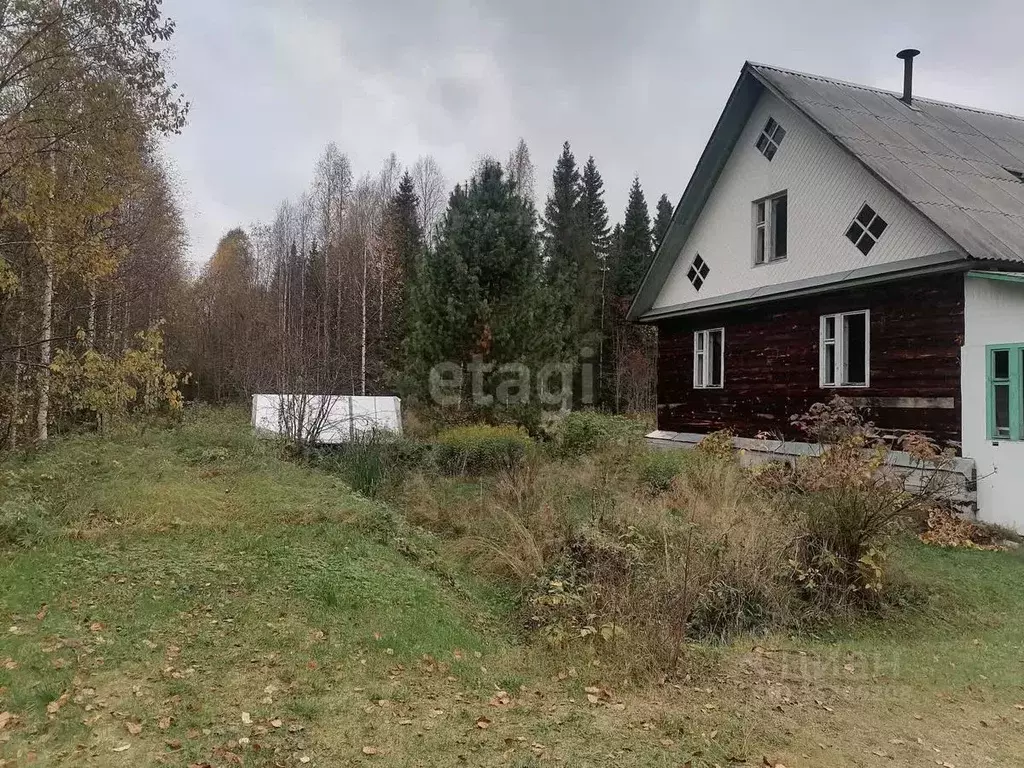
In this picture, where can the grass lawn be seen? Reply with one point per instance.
(208, 603)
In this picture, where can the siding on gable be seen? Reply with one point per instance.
(826, 189)
(772, 361)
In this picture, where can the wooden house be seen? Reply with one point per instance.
(840, 239)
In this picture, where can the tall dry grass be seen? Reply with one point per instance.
(604, 562)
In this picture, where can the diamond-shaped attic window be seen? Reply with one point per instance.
(770, 139)
(698, 273)
(866, 229)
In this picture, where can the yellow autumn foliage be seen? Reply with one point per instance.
(112, 388)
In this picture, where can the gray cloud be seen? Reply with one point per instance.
(639, 85)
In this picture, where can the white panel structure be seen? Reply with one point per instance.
(325, 419)
(993, 314)
(826, 189)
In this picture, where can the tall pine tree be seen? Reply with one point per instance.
(477, 291)
(594, 338)
(564, 246)
(662, 221)
(635, 255)
(596, 236)
(404, 233)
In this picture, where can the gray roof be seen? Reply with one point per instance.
(952, 163)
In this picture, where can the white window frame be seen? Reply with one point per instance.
(702, 359)
(840, 367)
(768, 226)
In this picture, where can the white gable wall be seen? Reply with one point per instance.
(993, 314)
(826, 189)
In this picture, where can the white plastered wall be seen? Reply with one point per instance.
(993, 314)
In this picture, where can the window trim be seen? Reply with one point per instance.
(702, 359)
(769, 228)
(1015, 383)
(840, 364)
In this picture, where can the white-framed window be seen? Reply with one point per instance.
(770, 138)
(771, 228)
(866, 229)
(846, 349)
(709, 359)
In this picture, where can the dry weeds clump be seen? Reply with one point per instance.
(948, 530)
(628, 554)
(851, 498)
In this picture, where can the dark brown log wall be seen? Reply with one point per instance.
(771, 360)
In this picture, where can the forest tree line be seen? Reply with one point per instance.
(360, 286)
(363, 286)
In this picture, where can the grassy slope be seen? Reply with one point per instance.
(205, 578)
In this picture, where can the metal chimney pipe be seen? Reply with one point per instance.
(908, 54)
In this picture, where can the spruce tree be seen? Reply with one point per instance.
(596, 235)
(404, 229)
(662, 221)
(477, 289)
(564, 245)
(636, 251)
(405, 239)
(594, 273)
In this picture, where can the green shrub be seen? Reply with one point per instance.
(658, 468)
(717, 445)
(584, 432)
(374, 462)
(480, 448)
(22, 522)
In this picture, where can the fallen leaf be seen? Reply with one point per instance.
(133, 728)
(123, 748)
(54, 706)
(96, 627)
(173, 744)
(276, 723)
(10, 664)
(500, 699)
(483, 723)
(42, 612)
(369, 750)
(246, 718)
(6, 718)
(163, 723)
(667, 743)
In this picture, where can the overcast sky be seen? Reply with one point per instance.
(637, 84)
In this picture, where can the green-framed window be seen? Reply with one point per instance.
(1005, 391)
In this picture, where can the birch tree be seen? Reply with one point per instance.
(82, 88)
